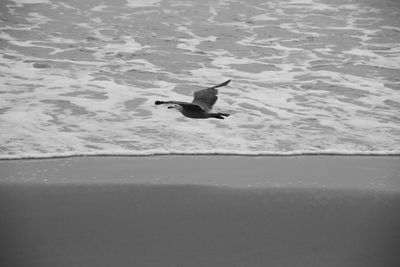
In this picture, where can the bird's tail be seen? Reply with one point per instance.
(219, 115)
(159, 102)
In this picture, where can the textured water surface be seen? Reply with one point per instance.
(81, 77)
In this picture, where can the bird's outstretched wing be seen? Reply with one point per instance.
(188, 106)
(171, 102)
(221, 84)
(206, 98)
(192, 107)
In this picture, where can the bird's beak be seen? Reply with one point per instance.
(171, 107)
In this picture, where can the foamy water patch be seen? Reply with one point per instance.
(142, 3)
(22, 2)
(372, 58)
(86, 85)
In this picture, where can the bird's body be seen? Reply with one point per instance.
(201, 106)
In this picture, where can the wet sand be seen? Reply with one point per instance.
(200, 211)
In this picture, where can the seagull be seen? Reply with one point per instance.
(201, 106)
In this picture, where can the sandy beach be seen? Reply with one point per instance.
(200, 211)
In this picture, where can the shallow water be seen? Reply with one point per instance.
(307, 76)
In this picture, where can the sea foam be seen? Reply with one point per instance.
(308, 77)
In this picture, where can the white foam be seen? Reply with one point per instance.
(262, 17)
(374, 59)
(88, 87)
(31, 1)
(191, 44)
(125, 45)
(309, 5)
(142, 3)
(99, 8)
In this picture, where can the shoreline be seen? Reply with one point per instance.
(206, 153)
(362, 172)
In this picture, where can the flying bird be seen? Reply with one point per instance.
(201, 106)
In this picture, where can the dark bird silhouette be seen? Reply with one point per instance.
(202, 104)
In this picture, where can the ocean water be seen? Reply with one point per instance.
(308, 76)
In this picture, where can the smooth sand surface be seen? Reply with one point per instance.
(200, 211)
(360, 172)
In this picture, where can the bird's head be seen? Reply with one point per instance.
(176, 106)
